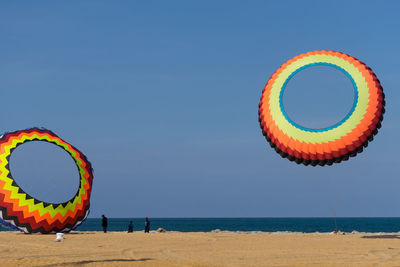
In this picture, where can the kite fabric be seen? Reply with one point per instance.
(21, 211)
(328, 145)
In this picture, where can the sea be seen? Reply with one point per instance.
(271, 225)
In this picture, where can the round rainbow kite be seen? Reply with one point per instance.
(20, 210)
(328, 145)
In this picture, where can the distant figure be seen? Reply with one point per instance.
(130, 227)
(104, 223)
(147, 225)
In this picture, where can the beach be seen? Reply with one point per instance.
(199, 249)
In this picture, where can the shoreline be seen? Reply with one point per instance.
(306, 225)
(216, 231)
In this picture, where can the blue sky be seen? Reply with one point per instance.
(162, 97)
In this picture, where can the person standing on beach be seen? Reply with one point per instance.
(104, 223)
(147, 225)
(130, 227)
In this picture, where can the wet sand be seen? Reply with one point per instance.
(199, 249)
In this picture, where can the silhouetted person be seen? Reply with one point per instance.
(104, 223)
(130, 227)
(147, 225)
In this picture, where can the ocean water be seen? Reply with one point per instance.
(301, 225)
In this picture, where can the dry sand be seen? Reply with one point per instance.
(199, 249)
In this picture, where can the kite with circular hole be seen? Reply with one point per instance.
(332, 144)
(20, 210)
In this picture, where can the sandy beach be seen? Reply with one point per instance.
(199, 249)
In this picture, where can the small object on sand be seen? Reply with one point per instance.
(337, 233)
(161, 230)
(216, 231)
(59, 237)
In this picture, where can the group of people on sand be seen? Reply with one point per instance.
(104, 224)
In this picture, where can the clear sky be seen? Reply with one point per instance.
(162, 97)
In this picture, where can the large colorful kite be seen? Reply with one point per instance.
(328, 145)
(21, 211)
